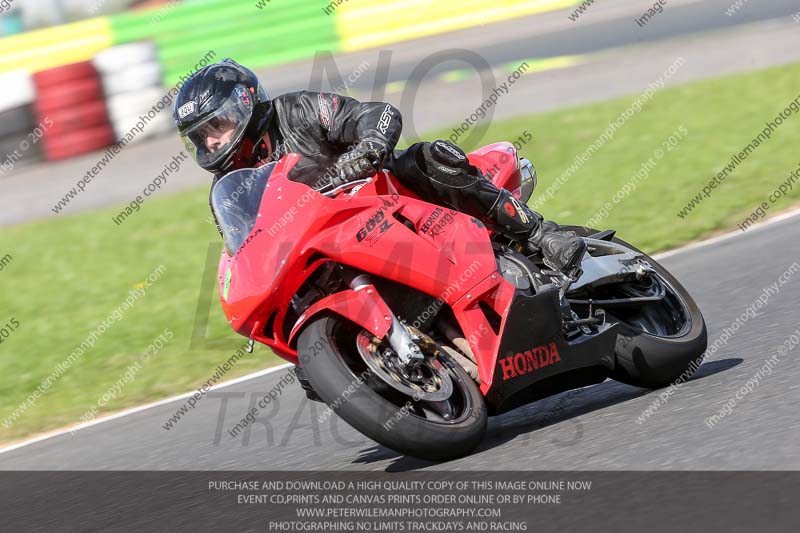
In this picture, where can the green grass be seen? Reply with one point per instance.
(722, 116)
(69, 274)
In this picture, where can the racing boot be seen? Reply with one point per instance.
(441, 170)
(446, 164)
(561, 250)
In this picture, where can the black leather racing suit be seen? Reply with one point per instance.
(323, 126)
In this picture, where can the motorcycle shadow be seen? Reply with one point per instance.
(570, 405)
(525, 421)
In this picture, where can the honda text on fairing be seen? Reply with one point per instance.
(414, 323)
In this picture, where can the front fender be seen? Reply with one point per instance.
(363, 306)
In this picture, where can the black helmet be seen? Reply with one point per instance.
(222, 112)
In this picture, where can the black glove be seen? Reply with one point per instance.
(363, 161)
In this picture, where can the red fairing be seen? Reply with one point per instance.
(360, 305)
(500, 162)
(379, 229)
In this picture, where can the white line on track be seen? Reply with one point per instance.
(261, 373)
(728, 236)
(140, 408)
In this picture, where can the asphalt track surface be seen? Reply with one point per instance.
(615, 57)
(594, 428)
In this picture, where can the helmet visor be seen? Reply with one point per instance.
(215, 136)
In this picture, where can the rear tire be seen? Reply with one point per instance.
(328, 343)
(651, 361)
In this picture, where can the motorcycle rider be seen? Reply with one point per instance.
(228, 121)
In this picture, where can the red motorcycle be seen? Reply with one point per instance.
(414, 322)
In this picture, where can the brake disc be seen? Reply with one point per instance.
(427, 379)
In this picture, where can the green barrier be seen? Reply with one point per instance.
(302, 33)
(255, 61)
(205, 30)
(281, 32)
(199, 18)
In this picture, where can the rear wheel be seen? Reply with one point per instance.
(441, 416)
(659, 342)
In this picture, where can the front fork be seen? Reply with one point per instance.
(400, 337)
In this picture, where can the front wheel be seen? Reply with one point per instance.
(658, 343)
(331, 355)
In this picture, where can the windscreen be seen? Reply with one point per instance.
(235, 200)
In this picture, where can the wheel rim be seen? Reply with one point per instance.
(454, 409)
(426, 380)
(677, 303)
(667, 318)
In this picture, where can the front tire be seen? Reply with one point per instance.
(330, 360)
(649, 360)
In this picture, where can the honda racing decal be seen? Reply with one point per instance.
(531, 360)
(438, 220)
